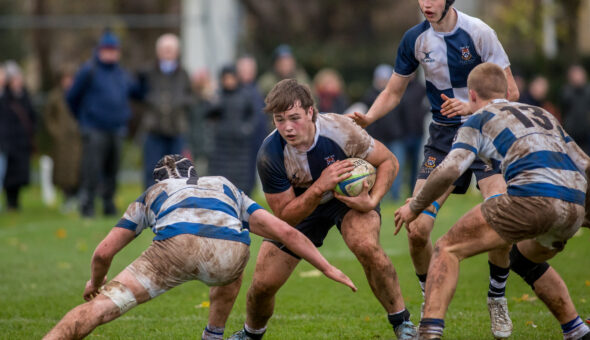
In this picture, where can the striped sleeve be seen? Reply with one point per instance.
(248, 206)
(134, 218)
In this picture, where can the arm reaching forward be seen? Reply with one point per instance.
(102, 257)
(265, 224)
(455, 164)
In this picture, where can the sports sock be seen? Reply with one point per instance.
(253, 333)
(432, 327)
(498, 277)
(213, 333)
(574, 329)
(422, 280)
(396, 319)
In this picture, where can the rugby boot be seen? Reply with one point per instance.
(406, 331)
(241, 335)
(499, 317)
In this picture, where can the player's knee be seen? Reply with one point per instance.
(263, 288)
(120, 295)
(419, 234)
(525, 268)
(364, 250)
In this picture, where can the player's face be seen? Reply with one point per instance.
(432, 9)
(296, 126)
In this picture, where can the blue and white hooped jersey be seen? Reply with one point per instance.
(212, 208)
(532, 147)
(281, 166)
(447, 58)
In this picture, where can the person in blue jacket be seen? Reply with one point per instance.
(99, 100)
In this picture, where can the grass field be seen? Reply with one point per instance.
(45, 259)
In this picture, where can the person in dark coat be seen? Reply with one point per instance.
(575, 106)
(3, 130)
(235, 123)
(66, 143)
(99, 100)
(17, 121)
(168, 99)
(247, 69)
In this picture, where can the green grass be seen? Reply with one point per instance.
(45, 259)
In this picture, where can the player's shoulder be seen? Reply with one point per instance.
(273, 143)
(336, 126)
(472, 25)
(334, 120)
(272, 149)
(214, 182)
(411, 35)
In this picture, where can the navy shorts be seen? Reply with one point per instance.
(321, 220)
(439, 145)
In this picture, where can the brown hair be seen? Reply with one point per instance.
(286, 94)
(488, 81)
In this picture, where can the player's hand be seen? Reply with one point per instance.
(452, 107)
(404, 215)
(364, 202)
(338, 276)
(360, 118)
(91, 291)
(333, 174)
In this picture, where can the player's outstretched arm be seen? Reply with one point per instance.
(443, 176)
(387, 100)
(265, 224)
(103, 255)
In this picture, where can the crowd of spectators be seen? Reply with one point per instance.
(217, 119)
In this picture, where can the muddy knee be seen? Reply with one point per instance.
(419, 234)
(120, 295)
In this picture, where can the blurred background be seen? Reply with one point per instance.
(335, 46)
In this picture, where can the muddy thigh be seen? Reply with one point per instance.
(171, 262)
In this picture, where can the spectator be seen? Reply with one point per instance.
(401, 130)
(18, 124)
(247, 68)
(536, 95)
(328, 88)
(66, 143)
(284, 67)
(3, 130)
(235, 122)
(575, 101)
(168, 99)
(200, 135)
(99, 100)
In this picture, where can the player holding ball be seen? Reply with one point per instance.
(300, 164)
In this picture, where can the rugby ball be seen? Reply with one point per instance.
(363, 172)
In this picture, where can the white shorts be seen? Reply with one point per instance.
(186, 257)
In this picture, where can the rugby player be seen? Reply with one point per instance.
(202, 228)
(448, 45)
(299, 164)
(546, 174)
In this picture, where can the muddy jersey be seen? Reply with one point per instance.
(213, 207)
(532, 147)
(281, 166)
(447, 58)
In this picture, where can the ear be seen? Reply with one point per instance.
(472, 96)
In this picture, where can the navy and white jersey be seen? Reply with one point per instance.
(281, 166)
(213, 207)
(536, 156)
(447, 58)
